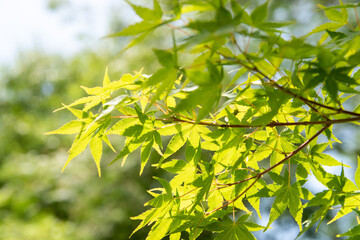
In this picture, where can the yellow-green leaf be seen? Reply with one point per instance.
(135, 29)
(93, 91)
(194, 138)
(120, 127)
(107, 141)
(169, 129)
(80, 143)
(336, 16)
(176, 142)
(295, 206)
(78, 102)
(145, 153)
(159, 230)
(175, 236)
(71, 127)
(279, 205)
(106, 79)
(327, 160)
(96, 151)
(357, 174)
(332, 26)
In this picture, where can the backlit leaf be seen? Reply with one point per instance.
(80, 143)
(176, 142)
(336, 16)
(259, 14)
(332, 26)
(96, 151)
(357, 173)
(234, 231)
(136, 29)
(71, 127)
(145, 153)
(146, 13)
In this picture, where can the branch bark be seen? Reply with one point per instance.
(259, 175)
(271, 124)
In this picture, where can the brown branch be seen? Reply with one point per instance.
(235, 199)
(271, 124)
(294, 95)
(248, 41)
(258, 176)
(317, 111)
(296, 150)
(307, 101)
(124, 116)
(234, 183)
(178, 29)
(186, 193)
(357, 17)
(272, 82)
(350, 26)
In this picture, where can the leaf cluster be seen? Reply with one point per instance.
(247, 109)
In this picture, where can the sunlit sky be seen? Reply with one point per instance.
(27, 25)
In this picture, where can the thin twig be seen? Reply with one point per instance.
(258, 176)
(271, 124)
(307, 101)
(296, 150)
(186, 193)
(235, 199)
(357, 17)
(272, 82)
(282, 161)
(248, 41)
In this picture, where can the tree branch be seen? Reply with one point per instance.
(307, 101)
(258, 176)
(272, 82)
(271, 124)
(236, 198)
(282, 161)
(296, 150)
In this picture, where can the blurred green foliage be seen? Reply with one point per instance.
(36, 200)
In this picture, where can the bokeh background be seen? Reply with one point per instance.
(48, 49)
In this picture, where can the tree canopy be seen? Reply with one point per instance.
(239, 110)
